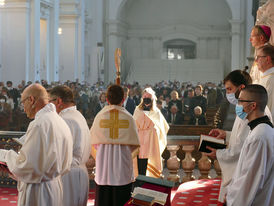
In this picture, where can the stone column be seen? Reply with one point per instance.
(35, 33)
(1, 29)
(76, 49)
(173, 163)
(188, 163)
(217, 169)
(82, 41)
(55, 55)
(204, 165)
(235, 43)
(114, 41)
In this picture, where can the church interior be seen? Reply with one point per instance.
(177, 45)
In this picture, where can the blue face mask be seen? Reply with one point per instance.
(239, 109)
(231, 98)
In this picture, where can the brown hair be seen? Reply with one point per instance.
(268, 50)
(63, 92)
(115, 94)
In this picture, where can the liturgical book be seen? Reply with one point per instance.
(143, 196)
(210, 141)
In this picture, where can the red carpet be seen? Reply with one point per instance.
(8, 197)
(198, 192)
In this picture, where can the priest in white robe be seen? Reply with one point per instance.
(45, 155)
(152, 129)
(228, 158)
(253, 180)
(260, 35)
(265, 62)
(114, 136)
(76, 181)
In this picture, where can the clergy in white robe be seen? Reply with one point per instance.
(228, 158)
(152, 129)
(115, 138)
(259, 36)
(45, 155)
(253, 180)
(267, 80)
(76, 181)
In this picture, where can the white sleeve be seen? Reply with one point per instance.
(249, 177)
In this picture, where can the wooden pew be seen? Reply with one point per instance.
(189, 130)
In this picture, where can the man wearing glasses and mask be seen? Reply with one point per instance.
(234, 82)
(253, 179)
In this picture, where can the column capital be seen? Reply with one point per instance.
(236, 26)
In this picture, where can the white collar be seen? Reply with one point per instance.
(269, 71)
(48, 108)
(68, 109)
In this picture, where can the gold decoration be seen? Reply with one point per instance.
(117, 56)
(114, 123)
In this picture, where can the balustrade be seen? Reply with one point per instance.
(183, 161)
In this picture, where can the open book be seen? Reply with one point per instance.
(147, 197)
(3, 162)
(210, 141)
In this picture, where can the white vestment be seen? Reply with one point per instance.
(46, 154)
(253, 180)
(114, 135)
(152, 130)
(228, 158)
(267, 80)
(76, 181)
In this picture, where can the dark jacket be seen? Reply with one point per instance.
(179, 118)
(201, 120)
(130, 105)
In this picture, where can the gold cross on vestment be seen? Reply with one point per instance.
(114, 124)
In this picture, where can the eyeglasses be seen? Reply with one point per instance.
(23, 101)
(257, 57)
(242, 100)
(52, 100)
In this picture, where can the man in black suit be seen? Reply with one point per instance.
(13, 93)
(163, 110)
(174, 116)
(198, 100)
(129, 103)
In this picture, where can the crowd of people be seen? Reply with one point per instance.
(180, 103)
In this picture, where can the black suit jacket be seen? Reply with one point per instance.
(201, 120)
(179, 118)
(130, 106)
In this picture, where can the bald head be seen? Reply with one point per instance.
(37, 91)
(34, 98)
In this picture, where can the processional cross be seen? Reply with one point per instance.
(114, 123)
(117, 56)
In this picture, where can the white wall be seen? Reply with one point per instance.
(13, 37)
(144, 26)
(66, 56)
(154, 70)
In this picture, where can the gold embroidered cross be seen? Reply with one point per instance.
(114, 123)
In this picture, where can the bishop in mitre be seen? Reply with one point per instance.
(261, 34)
(114, 136)
(152, 129)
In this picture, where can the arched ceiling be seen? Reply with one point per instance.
(158, 13)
